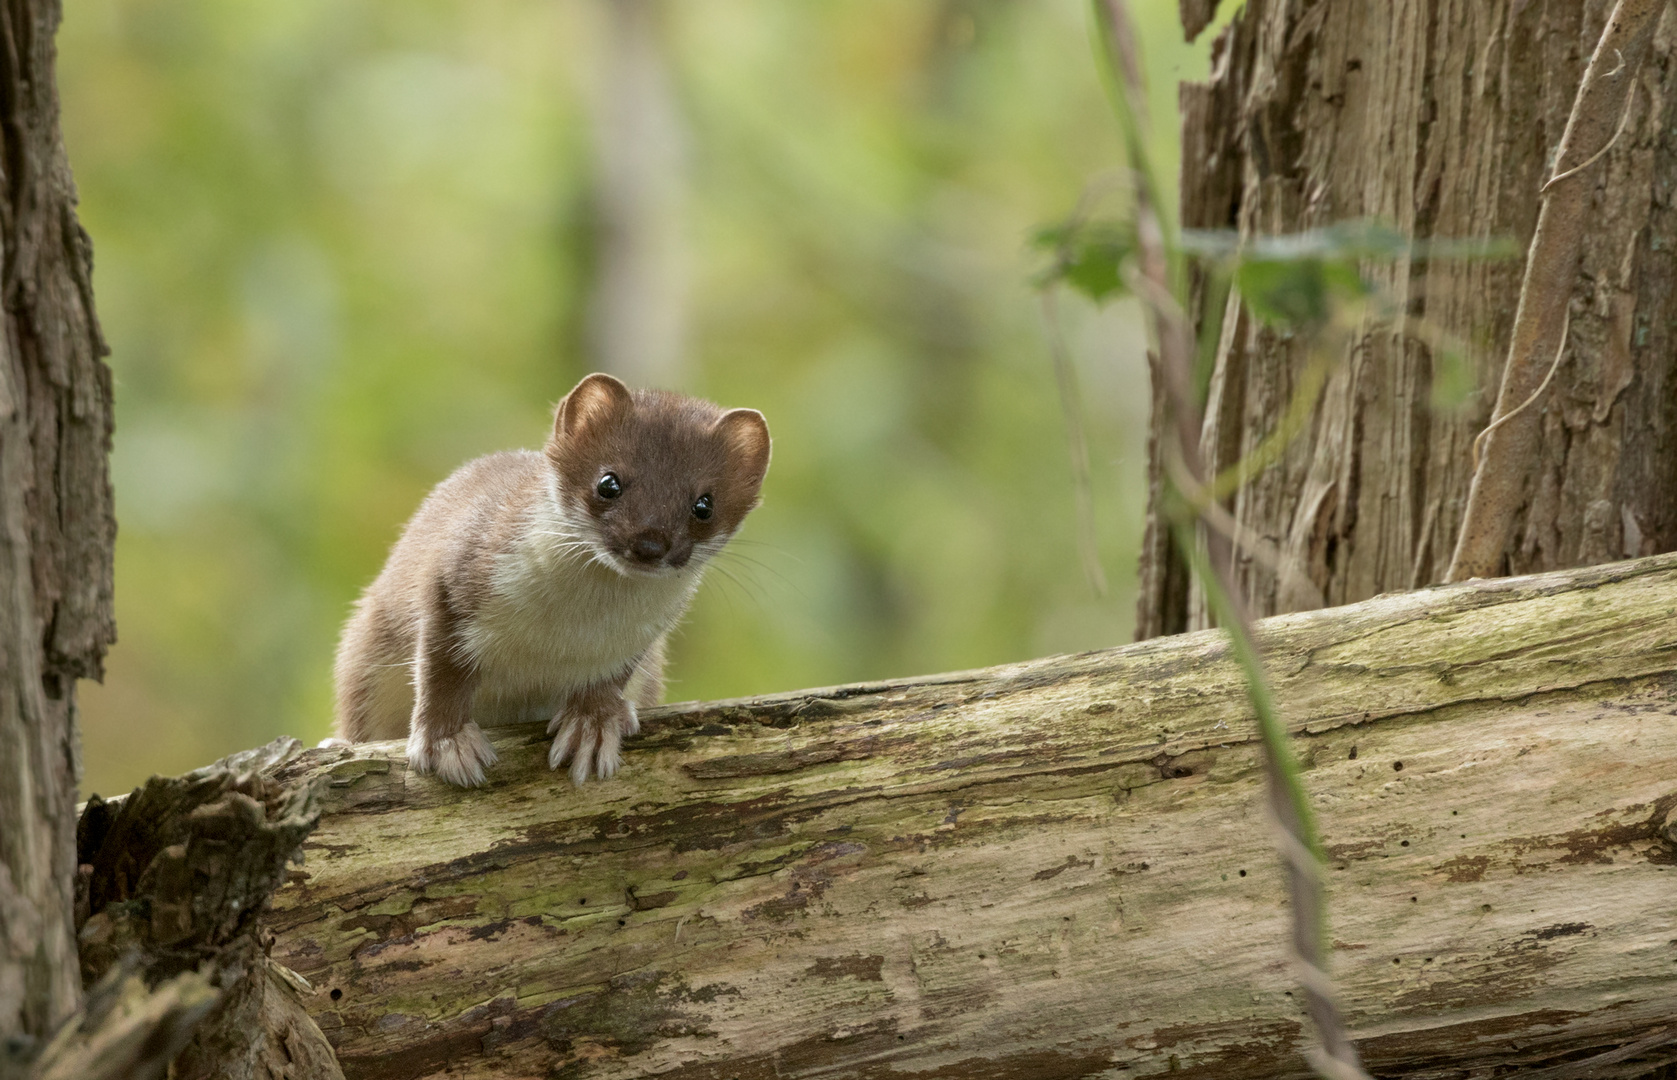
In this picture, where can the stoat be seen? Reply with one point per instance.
(542, 585)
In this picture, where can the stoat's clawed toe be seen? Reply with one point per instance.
(459, 758)
(591, 739)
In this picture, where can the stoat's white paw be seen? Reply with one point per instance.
(631, 726)
(460, 758)
(332, 743)
(593, 744)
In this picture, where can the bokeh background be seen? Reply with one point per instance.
(344, 245)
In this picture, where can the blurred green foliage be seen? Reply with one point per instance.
(343, 247)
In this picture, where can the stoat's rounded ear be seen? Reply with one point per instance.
(746, 435)
(592, 404)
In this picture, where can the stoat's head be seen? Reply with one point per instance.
(654, 482)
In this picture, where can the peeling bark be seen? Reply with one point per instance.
(172, 881)
(1050, 869)
(1439, 117)
(1196, 15)
(128, 1031)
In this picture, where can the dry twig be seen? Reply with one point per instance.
(1071, 405)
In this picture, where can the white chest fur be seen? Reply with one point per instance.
(555, 620)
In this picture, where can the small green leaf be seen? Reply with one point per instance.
(1345, 240)
(1088, 256)
(1453, 381)
(1298, 292)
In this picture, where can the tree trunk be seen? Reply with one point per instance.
(56, 531)
(1051, 869)
(638, 310)
(1439, 118)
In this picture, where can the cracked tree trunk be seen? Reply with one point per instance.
(56, 531)
(1051, 869)
(1439, 117)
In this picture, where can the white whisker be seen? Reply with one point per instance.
(751, 590)
(746, 564)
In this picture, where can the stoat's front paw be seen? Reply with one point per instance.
(459, 758)
(332, 742)
(592, 738)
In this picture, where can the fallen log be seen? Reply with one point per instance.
(1049, 869)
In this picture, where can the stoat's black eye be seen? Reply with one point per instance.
(609, 486)
(701, 508)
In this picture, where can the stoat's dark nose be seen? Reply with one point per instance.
(649, 547)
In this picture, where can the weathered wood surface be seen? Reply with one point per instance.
(1050, 869)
